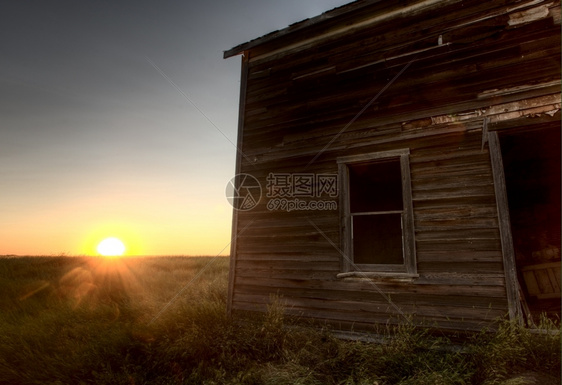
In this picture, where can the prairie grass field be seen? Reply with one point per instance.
(162, 320)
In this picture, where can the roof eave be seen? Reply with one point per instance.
(323, 27)
(296, 27)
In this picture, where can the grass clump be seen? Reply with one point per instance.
(513, 349)
(160, 321)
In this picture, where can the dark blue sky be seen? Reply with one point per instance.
(94, 139)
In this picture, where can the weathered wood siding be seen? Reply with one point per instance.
(432, 79)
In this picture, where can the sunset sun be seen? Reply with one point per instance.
(111, 247)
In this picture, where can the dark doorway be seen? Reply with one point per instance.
(532, 171)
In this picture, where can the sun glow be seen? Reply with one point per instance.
(111, 247)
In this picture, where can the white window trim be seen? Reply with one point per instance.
(409, 268)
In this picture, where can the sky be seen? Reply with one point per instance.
(118, 118)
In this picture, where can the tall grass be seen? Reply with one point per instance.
(90, 321)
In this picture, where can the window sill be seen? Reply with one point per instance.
(377, 276)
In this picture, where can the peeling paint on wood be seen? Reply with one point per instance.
(529, 15)
(549, 105)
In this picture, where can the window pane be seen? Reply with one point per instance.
(375, 186)
(377, 239)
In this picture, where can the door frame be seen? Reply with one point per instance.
(508, 250)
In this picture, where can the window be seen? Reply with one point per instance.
(377, 216)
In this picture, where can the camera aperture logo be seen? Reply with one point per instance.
(243, 192)
(285, 191)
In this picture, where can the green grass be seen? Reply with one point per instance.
(89, 321)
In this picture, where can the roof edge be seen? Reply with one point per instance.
(356, 5)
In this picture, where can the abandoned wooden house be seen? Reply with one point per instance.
(402, 158)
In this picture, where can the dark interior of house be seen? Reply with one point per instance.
(532, 171)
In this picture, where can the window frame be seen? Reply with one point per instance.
(409, 267)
